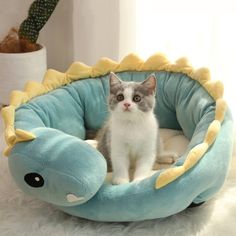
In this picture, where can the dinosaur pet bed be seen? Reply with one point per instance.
(46, 127)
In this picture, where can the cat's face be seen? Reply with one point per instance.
(132, 97)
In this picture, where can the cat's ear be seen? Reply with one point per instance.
(114, 81)
(150, 84)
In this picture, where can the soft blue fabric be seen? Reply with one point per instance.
(68, 165)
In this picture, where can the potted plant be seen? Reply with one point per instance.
(21, 57)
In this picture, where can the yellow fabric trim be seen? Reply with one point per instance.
(20, 136)
(172, 174)
(197, 152)
(54, 79)
(8, 114)
(221, 107)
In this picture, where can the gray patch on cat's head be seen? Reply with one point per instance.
(115, 83)
(112, 99)
(149, 85)
(147, 102)
(116, 87)
(146, 90)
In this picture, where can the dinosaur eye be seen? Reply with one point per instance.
(136, 98)
(34, 180)
(120, 97)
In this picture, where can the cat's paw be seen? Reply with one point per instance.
(141, 177)
(118, 181)
(167, 158)
(138, 179)
(92, 142)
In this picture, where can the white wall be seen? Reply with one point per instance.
(127, 27)
(57, 36)
(100, 29)
(12, 12)
(96, 34)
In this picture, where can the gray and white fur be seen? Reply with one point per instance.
(130, 137)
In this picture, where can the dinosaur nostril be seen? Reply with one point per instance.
(73, 198)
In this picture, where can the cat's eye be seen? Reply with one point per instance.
(136, 98)
(120, 97)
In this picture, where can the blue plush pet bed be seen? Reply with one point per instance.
(46, 126)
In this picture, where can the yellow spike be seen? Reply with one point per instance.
(215, 89)
(23, 135)
(54, 79)
(202, 75)
(131, 62)
(52, 74)
(182, 65)
(171, 174)
(195, 155)
(79, 70)
(10, 135)
(221, 107)
(18, 97)
(7, 151)
(156, 62)
(212, 132)
(8, 114)
(104, 66)
(33, 88)
(183, 61)
(168, 176)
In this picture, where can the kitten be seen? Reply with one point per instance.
(131, 133)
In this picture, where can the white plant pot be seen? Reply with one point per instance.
(18, 68)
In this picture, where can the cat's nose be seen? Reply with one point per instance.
(127, 104)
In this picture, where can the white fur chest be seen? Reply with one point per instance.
(134, 135)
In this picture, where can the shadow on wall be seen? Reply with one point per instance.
(86, 30)
(57, 36)
(83, 30)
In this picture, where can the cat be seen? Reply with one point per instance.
(130, 135)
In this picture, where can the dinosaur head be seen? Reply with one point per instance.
(57, 168)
